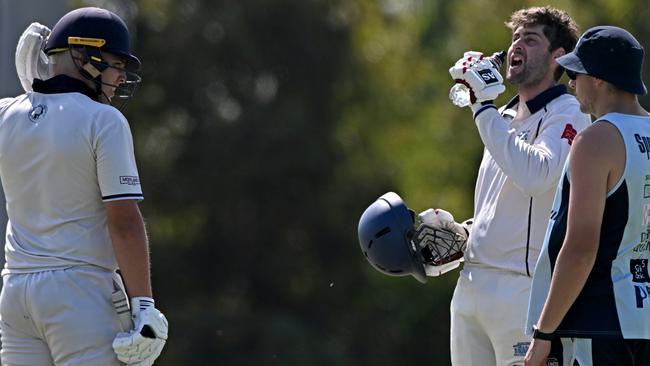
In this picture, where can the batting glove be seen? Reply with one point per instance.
(143, 344)
(441, 240)
(480, 75)
(441, 219)
(31, 61)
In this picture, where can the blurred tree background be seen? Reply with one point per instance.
(264, 128)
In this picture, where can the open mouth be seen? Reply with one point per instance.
(516, 61)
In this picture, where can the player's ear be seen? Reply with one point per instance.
(77, 57)
(600, 83)
(558, 52)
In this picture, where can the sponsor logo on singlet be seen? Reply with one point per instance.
(644, 144)
(641, 293)
(639, 271)
(644, 243)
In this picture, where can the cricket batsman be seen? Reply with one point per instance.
(71, 182)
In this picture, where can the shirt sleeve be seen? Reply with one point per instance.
(534, 168)
(6, 102)
(117, 172)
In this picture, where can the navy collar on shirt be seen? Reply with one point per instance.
(541, 100)
(63, 84)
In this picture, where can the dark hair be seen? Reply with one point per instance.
(558, 27)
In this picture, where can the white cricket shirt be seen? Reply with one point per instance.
(62, 155)
(522, 163)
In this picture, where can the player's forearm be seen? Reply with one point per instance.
(569, 277)
(533, 168)
(130, 245)
(132, 253)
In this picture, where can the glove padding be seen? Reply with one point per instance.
(143, 344)
(441, 241)
(31, 61)
(483, 79)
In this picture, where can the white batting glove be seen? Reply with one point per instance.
(143, 344)
(441, 219)
(442, 241)
(479, 75)
(31, 61)
(437, 271)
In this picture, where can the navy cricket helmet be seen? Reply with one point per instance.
(386, 229)
(93, 27)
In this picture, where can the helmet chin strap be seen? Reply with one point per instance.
(92, 68)
(91, 64)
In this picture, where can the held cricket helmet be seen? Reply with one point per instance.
(386, 229)
(93, 31)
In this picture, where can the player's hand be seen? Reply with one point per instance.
(143, 344)
(441, 219)
(537, 353)
(479, 75)
(31, 62)
(441, 241)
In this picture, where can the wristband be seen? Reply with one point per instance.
(477, 108)
(538, 334)
(141, 303)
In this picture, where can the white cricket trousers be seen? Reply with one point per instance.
(61, 317)
(488, 317)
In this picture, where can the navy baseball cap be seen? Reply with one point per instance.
(611, 54)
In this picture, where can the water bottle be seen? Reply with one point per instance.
(459, 93)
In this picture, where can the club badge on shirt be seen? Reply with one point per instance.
(569, 133)
(37, 112)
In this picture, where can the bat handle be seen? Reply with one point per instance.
(121, 303)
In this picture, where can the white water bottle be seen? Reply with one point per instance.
(459, 93)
